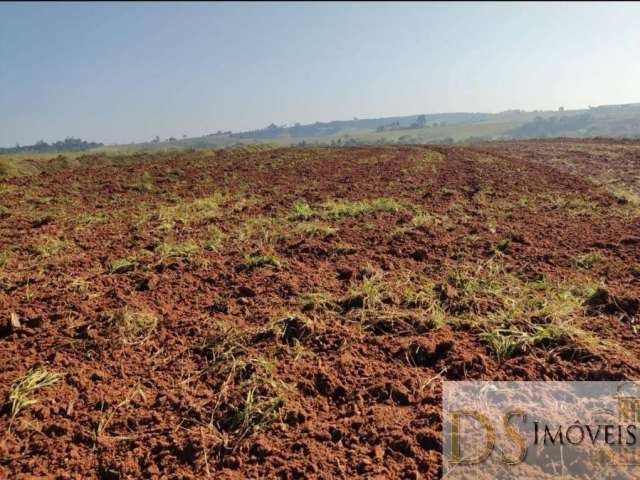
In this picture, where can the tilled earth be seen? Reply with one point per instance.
(292, 313)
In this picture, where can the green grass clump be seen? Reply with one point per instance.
(587, 261)
(145, 184)
(301, 211)
(423, 220)
(35, 199)
(80, 285)
(6, 188)
(122, 265)
(573, 204)
(513, 314)
(524, 201)
(203, 209)
(4, 259)
(250, 397)
(431, 156)
(216, 239)
(625, 196)
(498, 295)
(290, 329)
(262, 230)
(510, 314)
(135, 326)
(47, 246)
(21, 392)
(209, 205)
(259, 261)
(262, 402)
(424, 296)
(419, 296)
(316, 302)
(182, 250)
(315, 230)
(5, 168)
(367, 294)
(338, 209)
(257, 411)
(90, 219)
(505, 342)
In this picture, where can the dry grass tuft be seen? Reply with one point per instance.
(135, 326)
(21, 392)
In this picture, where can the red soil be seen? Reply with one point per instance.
(360, 399)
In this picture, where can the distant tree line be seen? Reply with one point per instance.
(547, 127)
(420, 122)
(354, 142)
(69, 144)
(316, 129)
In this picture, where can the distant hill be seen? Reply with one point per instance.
(461, 127)
(616, 121)
(605, 121)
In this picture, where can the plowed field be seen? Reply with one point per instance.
(292, 313)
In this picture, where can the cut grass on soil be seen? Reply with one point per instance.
(145, 184)
(37, 200)
(423, 220)
(4, 259)
(315, 230)
(251, 405)
(259, 261)
(89, 219)
(506, 342)
(259, 409)
(21, 393)
(367, 294)
(122, 265)
(587, 261)
(573, 204)
(260, 231)
(625, 196)
(431, 156)
(424, 296)
(249, 397)
(48, 246)
(80, 285)
(420, 221)
(5, 188)
(179, 250)
(514, 315)
(204, 209)
(339, 209)
(316, 302)
(135, 326)
(301, 211)
(290, 329)
(216, 238)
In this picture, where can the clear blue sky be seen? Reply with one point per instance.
(127, 72)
